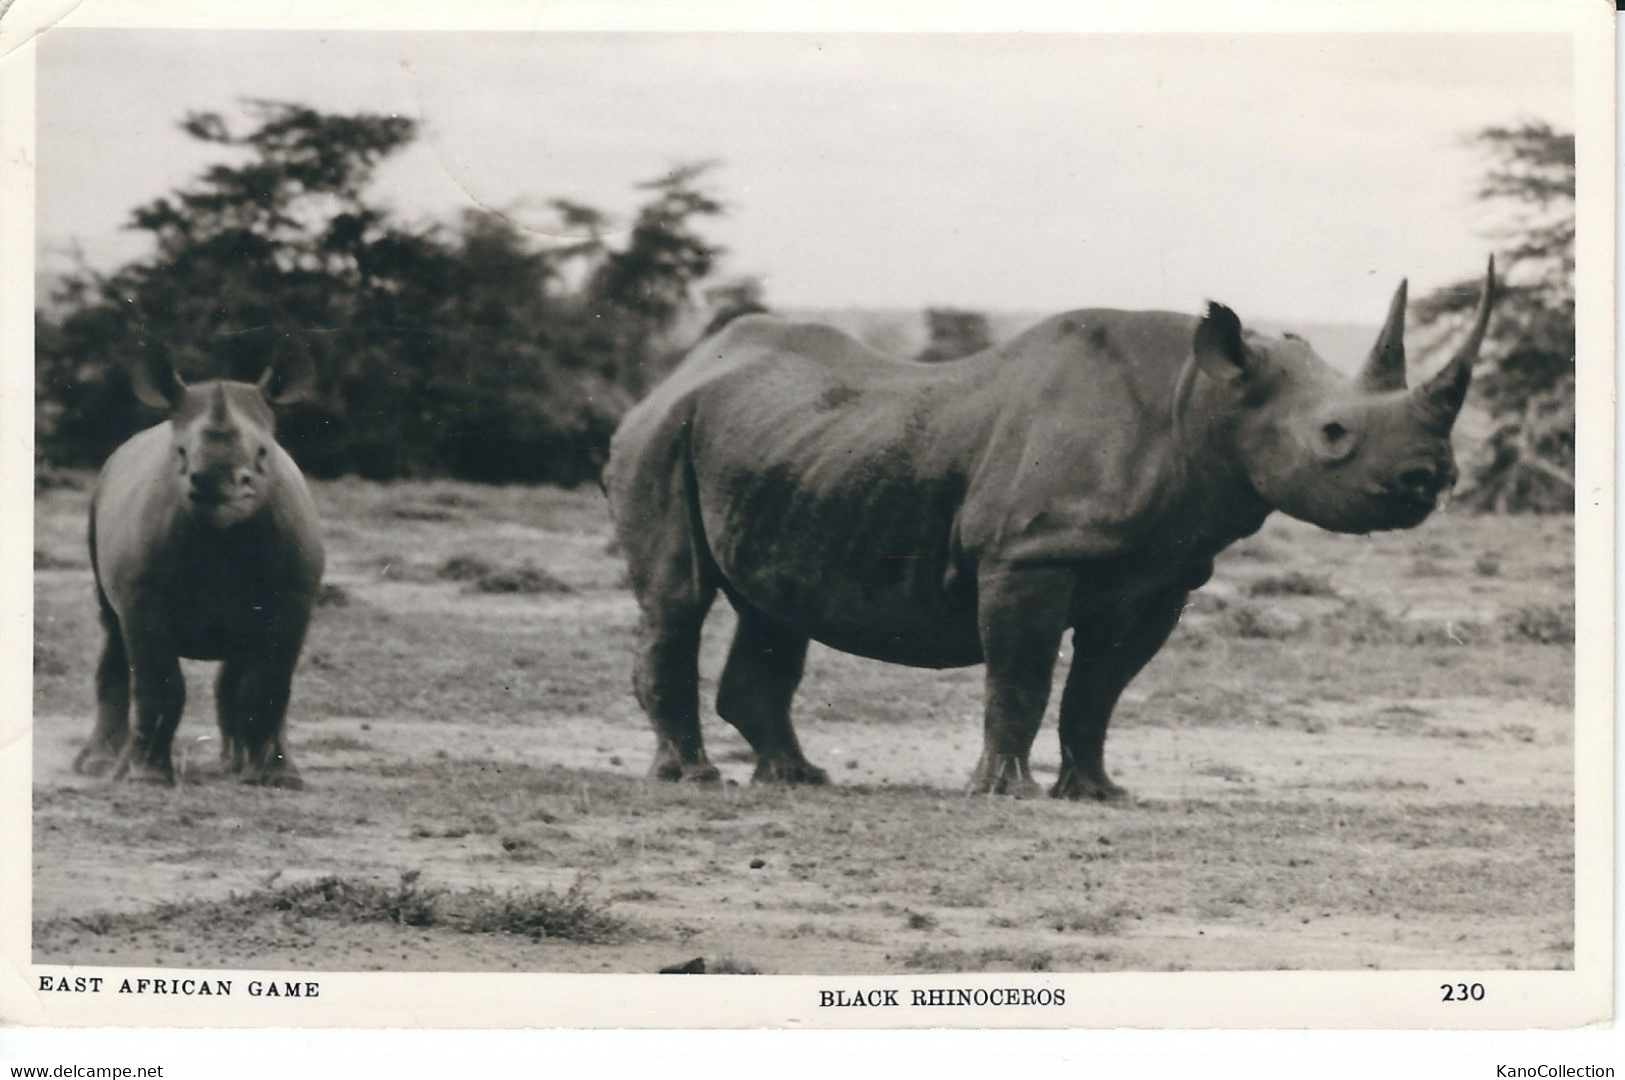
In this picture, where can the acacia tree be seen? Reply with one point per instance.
(647, 284)
(456, 348)
(1525, 381)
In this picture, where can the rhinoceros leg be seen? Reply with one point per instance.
(760, 678)
(233, 751)
(159, 691)
(255, 689)
(667, 680)
(1106, 655)
(101, 754)
(1023, 615)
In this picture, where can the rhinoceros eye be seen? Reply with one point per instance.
(259, 458)
(1336, 442)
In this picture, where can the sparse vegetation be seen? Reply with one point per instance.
(1291, 583)
(1544, 624)
(574, 915)
(470, 737)
(526, 579)
(929, 959)
(728, 965)
(332, 594)
(1251, 621)
(1078, 920)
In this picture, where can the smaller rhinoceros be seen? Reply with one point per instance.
(203, 542)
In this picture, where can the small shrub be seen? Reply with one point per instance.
(1360, 622)
(1247, 621)
(405, 904)
(47, 661)
(1078, 921)
(400, 568)
(1291, 583)
(526, 579)
(420, 512)
(334, 742)
(573, 916)
(1543, 624)
(993, 958)
(48, 560)
(727, 965)
(1487, 566)
(1257, 550)
(636, 895)
(331, 595)
(464, 568)
(49, 478)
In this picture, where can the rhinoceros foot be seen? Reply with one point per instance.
(95, 759)
(677, 772)
(1074, 784)
(286, 779)
(1003, 774)
(788, 770)
(278, 772)
(137, 770)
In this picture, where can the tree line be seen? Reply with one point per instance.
(463, 349)
(466, 349)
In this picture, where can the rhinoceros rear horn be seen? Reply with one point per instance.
(1441, 397)
(1385, 367)
(291, 378)
(153, 378)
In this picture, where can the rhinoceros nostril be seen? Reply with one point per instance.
(1421, 481)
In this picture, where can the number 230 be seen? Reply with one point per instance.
(1462, 991)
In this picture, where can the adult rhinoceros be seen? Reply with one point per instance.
(1081, 477)
(203, 540)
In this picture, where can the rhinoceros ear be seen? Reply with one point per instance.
(153, 379)
(1218, 346)
(290, 379)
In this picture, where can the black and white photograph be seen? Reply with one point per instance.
(907, 507)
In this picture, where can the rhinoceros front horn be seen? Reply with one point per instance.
(1385, 367)
(1441, 396)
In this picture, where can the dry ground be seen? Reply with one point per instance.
(1355, 753)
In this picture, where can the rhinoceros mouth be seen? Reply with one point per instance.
(1404, 510)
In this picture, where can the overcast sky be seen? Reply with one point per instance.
(1291, 176)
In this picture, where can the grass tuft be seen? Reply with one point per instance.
(332, 595)
(477, 575)
(526, 579)
(1248, 621)
(1543, 624)
(1291, 583)
(993, 958)
(574, 915)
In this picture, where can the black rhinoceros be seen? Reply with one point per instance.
(203, 540)
(1081, 477)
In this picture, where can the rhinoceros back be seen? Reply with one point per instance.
(665, 414)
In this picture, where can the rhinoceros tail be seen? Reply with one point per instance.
(104, 608)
